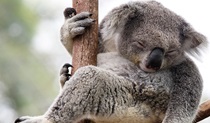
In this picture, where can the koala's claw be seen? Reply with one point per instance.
(24, 119)
(69, 12)
(64, 74)
(65, 69)
(18, 120)
(28, 119)
(67, 76)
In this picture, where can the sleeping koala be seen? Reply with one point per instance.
(143, 74)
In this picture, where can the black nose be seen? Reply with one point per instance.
(155, 59)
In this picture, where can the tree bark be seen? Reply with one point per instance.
(203, 111)
(85, 47)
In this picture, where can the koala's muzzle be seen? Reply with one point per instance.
(155, 59)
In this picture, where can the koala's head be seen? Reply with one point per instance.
(152, 36)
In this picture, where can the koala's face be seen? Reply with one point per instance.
(152, 49)
(155, 38)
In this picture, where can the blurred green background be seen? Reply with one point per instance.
(24, 78)
(28, 76)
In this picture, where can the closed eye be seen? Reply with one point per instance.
(171, 52)
(140, 44)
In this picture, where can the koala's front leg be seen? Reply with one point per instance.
(73, 26)
(185, 95)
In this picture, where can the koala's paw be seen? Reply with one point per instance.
(75, 24)
(64, 74)
(27, 119)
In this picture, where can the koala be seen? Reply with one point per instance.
(143, 74)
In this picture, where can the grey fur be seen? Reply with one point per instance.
(122, 88)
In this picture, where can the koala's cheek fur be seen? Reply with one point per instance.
(173, 60)
(137, 56)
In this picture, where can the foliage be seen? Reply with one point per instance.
(27, 79)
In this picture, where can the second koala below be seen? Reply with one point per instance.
(143, 74)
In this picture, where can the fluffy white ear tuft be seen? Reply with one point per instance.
(193, 41)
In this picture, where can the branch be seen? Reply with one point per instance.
(85, 47)
(203, 111)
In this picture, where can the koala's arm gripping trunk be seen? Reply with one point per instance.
(85, 47)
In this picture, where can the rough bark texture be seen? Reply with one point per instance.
(203, 111)
(85, 47)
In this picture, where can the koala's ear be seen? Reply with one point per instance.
(194, 39)
(114, 22)
(191, 39)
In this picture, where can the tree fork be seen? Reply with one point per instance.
(85, 47)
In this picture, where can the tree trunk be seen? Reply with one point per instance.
(85, 47)
(203, 111)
